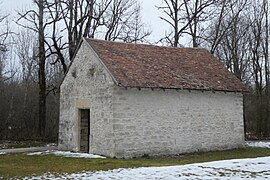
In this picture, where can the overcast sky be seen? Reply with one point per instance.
(150, 14)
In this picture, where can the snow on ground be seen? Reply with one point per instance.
(1, 153)
(252, 168)
(255, 168)
(86, 155)
(263, 144)
(67, 154)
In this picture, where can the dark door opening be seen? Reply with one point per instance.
(85, 130)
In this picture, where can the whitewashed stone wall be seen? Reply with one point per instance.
(131, 122)
(174, 122)
(86, 86)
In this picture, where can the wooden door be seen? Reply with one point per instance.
(85, 130)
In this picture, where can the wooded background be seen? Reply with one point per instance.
(34, 58)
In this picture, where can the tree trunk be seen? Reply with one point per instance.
(266, 124)
(41, 72)
(176, 36)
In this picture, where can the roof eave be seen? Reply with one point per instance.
(187, 89)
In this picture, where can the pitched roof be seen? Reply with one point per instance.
(148, 66)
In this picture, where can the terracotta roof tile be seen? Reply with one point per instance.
(148, 66)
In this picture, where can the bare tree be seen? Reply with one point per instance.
(228, 37)
(227, 14)
(137, 30)
(232, 50)
(108, 19)
(5, 32)
(123, 22)
(185, 17)
(266, 66)
(26, 50)
(3, 49)
(26, 47)
(41, 65)
(61, 24)
(36, 18)
(198, 12)
(240, 40)
(19, 96)
(172, 9)
(81, 18)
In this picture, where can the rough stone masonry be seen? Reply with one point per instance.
(128, 122)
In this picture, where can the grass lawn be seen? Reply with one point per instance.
(20, 165)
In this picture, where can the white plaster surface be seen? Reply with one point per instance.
(174, 122)
(83, 89)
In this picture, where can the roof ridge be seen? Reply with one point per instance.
(141, 44)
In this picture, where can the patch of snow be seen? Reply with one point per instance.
(262, 144)
(252, 168)
(76, 155)
(1, 153)
(67, 154)
(36, 153)
(51, 144)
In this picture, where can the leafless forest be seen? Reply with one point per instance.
(36, 50)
